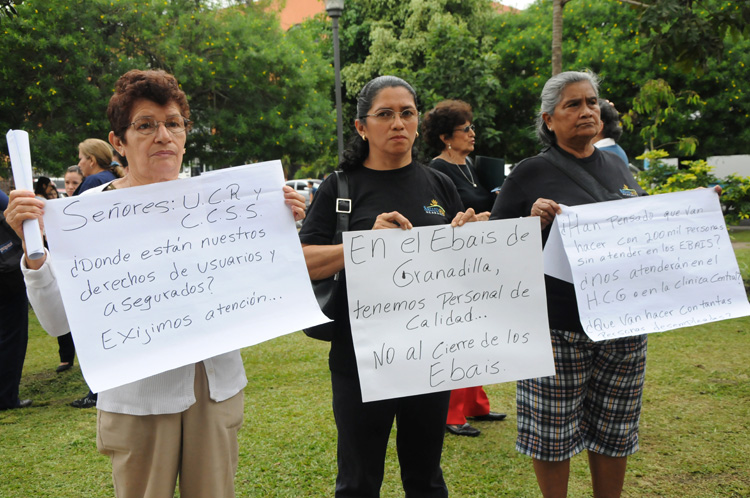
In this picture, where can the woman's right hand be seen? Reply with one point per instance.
(546, 209)
(394, 219)
(22, 206)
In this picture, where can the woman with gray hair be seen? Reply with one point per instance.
(594, 400)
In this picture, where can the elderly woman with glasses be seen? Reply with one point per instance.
(448, 129)
(388, 190)
(183, 422)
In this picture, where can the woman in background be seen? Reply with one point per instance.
(448, 129)
(95, 162)
(73, 178)
(44, 188)
(65, 346)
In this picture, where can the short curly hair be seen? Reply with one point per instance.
(155, 85)
(443, 120)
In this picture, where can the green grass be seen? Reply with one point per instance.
(739, 235)
(694, 427)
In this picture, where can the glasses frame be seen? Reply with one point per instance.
(393, 118)
(185, 125)
(466, 129)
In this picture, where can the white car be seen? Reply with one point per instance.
(301, 187)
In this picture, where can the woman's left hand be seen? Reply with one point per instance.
(464, 217)
(295, 201)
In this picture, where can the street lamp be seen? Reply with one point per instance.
(335, 8)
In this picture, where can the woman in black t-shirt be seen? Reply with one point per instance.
(594, 400)
(387, 190)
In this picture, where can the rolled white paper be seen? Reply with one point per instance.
(20, 160)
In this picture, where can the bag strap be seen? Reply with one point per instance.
(578, 175)
(343, 206)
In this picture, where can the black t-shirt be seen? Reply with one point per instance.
(535, 177)
(424, 196)
(477, 197)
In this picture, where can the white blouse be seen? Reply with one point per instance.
(167, 392)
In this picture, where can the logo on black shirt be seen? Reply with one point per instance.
(628, 192)
(434, 208)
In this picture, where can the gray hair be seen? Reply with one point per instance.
(551, 95)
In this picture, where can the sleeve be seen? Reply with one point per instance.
(438, 165)
(89, 183)
(45, 298)
(511, 202)
(320, 223)
(453, 202)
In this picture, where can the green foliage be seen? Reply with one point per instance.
(695, 398)
(653, 106)
(690, 35)
(661, 178)
(256, 92)
(735, 197)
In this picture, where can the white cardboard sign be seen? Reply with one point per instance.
(439, 308)
(649, 264)
(168, 274)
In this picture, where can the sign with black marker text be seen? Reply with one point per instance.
(168, 274)
(439, 308)
(647, 265)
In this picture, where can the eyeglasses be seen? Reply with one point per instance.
(148, 126)
(465, 129)
(387, 115)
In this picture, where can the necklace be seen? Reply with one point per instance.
(473, 183)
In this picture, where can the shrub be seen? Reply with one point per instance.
(661, 178)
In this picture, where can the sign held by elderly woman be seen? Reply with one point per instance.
(438, 308)
(168, 274)
(648, 264)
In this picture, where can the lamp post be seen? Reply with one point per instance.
(335, 8)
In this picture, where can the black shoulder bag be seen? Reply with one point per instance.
(329, 290)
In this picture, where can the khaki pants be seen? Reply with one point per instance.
(199, 445)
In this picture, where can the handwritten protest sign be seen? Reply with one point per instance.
(164, 275)
(437, 308)
(647, 265)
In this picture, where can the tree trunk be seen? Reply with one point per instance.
(557, 25)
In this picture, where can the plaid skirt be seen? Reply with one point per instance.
(593, 402)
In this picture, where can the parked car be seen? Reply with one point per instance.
(300, 185)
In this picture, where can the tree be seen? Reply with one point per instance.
(654, 105)
(557, 30)
(256, 92)
(691, 34)
(436, 45)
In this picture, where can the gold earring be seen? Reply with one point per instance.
(417, 133)
(364, 137)
(449, 146)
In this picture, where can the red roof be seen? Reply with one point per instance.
(296, 11)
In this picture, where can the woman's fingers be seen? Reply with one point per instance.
(394, 219)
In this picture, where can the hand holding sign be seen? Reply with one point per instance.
(438, 308)
(167, 274)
